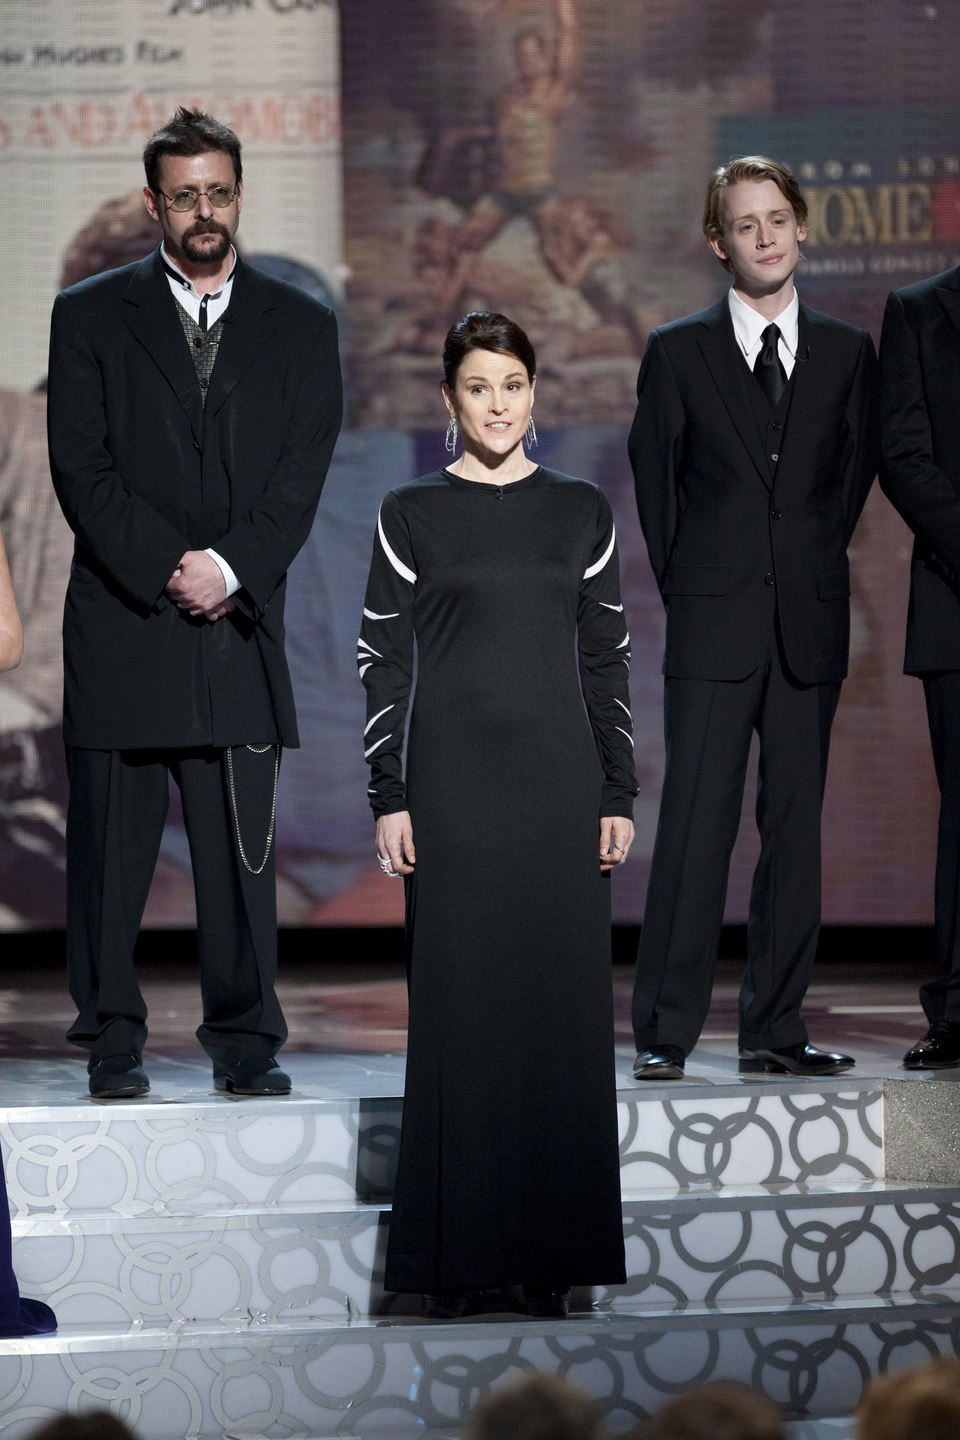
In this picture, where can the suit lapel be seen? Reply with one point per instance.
(248, 320)
(731, 375)
(150, 314)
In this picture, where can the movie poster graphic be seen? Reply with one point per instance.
(547, 158)
(539, 157)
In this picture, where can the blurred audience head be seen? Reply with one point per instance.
(91, 1425)
(922, 1403)
(722, 1410)
(537, 1407)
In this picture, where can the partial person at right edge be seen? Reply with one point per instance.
(749, 486)
(920, 472)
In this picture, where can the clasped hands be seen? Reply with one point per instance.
(197, 585)
(397, 855)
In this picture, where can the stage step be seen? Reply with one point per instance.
(760, 1243)
(154, 1156)
(216, 1264)
(369, 1379)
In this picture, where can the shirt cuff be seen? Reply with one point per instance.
(229, 577)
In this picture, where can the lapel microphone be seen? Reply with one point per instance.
(804, 354)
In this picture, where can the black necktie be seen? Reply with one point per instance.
(768, 370)
(203, 318)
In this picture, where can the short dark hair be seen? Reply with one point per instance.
(485, 330)
(91, 1425)
(189, 132)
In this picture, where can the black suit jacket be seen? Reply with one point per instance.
(144, 472)
(729, 534)
(920, 458)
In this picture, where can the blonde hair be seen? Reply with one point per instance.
(749, 167)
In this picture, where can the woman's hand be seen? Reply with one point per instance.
(616, 837)
(395, 844)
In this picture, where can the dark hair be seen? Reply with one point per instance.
(485, 330)
(189, 132)
(91, 1425)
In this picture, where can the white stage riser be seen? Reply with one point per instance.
(398, 1379)
(756, 1247)
(166, 1159)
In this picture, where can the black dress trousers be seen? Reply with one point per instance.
(118, 804)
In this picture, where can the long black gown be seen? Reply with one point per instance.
(508, 1166)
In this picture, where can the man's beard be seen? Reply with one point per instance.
(202, 254)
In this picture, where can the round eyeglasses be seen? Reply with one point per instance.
(220, 196)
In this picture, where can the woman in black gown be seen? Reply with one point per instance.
(516, 803)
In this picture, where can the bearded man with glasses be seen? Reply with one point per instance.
(193, 408)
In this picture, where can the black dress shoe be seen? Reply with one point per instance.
(660, 1062)
(253, 1075)
(118, 1077)
(544, 1303)
(938, 1050)
(445, 1305)
(793, 1060)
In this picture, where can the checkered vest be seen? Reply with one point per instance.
(203, 347)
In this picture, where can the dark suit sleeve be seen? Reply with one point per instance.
(918, 487)
(861, 454)
(655, 447)
(262, 545)
(121, 532)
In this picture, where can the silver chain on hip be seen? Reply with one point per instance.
(255, 750)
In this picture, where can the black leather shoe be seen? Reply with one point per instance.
(118, 1077)
(544, 1303)
(938, 1050)
(253, 1075)
(794, 1060)
(660, 1062)
(446, 1305)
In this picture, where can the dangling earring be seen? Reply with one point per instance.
(530, 434)
(450, 443)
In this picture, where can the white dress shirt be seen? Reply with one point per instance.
(749, 325)
(185, 294)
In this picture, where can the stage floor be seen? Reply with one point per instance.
(348, 1027)
(798, 1235)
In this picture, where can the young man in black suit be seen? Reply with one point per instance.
(749, 486)
(920, 471)
(193, 409)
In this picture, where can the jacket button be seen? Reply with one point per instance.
(776, 514)
(196, 444)
(768, 578)
(777, 425)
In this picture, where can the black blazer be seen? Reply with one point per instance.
(920, 458)
(144, 472)
(729, 534)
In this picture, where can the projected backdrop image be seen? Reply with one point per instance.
(543, 157)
